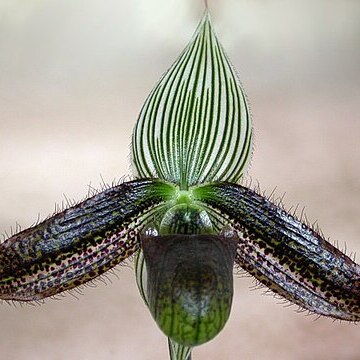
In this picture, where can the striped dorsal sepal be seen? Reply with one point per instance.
(195, 126)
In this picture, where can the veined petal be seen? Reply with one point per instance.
(195, 126)
(141, 276)
(286, 255)
(189, 284)
(176, 351)
(80, 243)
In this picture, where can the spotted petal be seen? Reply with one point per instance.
(286, 255)
(80, 243)
(195, 126)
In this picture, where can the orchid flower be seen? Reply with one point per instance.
(186, 217)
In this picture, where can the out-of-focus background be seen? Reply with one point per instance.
(73, 77)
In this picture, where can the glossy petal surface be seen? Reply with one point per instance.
(190, 284)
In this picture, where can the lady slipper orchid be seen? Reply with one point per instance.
(186, 217)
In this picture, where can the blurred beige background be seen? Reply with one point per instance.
(73, 77)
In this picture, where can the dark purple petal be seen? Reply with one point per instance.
(285, 254)
(78, 244)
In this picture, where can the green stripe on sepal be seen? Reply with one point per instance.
(179, 352)
(80, 243)
(189, 284)
(195, 126)
(141, 276)
(285, 254)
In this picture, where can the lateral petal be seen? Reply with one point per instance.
(80, 243)
(285, 254)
